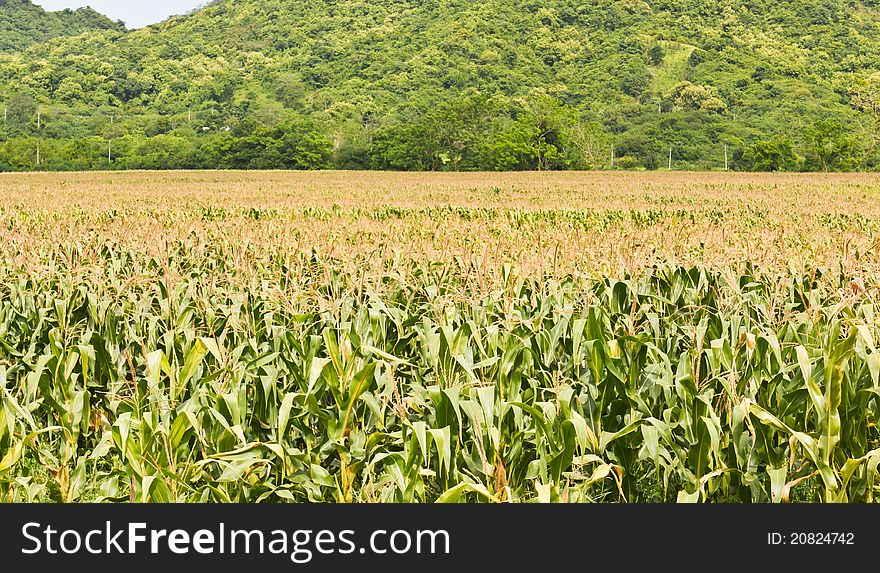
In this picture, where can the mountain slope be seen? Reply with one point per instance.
(23, 24)
(641, 75)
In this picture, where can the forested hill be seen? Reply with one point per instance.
(23, 24)
(455, 84)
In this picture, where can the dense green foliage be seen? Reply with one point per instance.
(23, 24)
(456, 84)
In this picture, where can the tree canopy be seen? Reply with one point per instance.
(23, 24)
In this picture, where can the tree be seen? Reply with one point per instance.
(256, 150)
(634, 79)
(21, 110)
(293, 144)
(831, 146)
(535, 140)
(865, 94)
(776, 154)
(865, 97)
(450, 136)
(589, 145)
(162, 152)
(656, 55)
(696, 58)
(688, 96)
(302, 146)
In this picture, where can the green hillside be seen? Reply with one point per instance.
(23, 24)
(456, 84)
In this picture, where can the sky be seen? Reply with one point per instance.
(135, 13)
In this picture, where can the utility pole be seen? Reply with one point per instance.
(39, 120)
(670, 158)
(189, 116)
(109, 151)
(726, 167)
(38, 154)
(612, 156)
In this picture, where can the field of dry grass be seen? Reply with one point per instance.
(540, 222)
(783, 192)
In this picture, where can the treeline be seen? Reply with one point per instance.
(474, 132)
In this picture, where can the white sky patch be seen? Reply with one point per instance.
(135, 13)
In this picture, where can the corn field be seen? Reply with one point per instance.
(441, 339)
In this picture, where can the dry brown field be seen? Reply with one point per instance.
(540, 222)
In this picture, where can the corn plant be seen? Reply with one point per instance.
(154, 379)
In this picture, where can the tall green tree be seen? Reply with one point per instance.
(832, 147)
(535, 140)
(775, 154)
